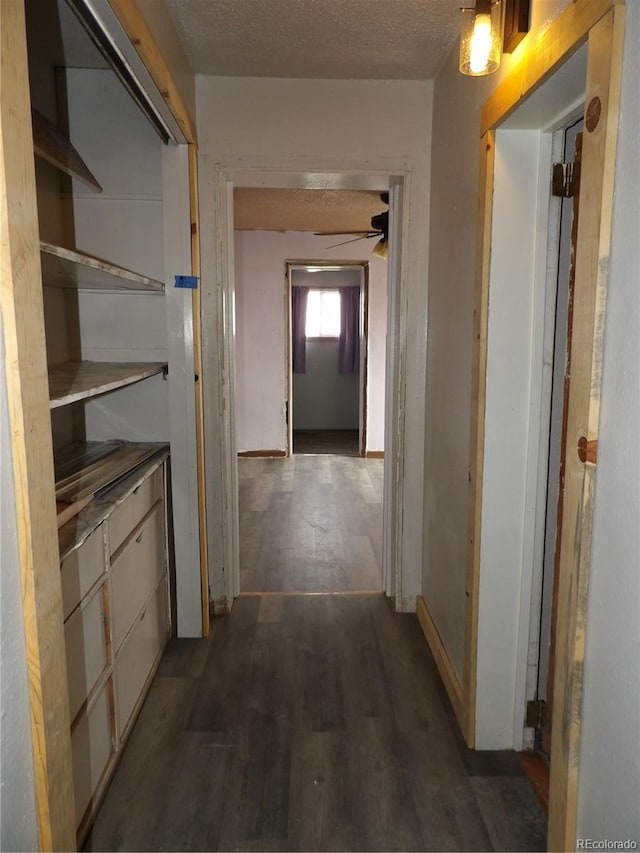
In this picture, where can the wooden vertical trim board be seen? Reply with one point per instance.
(199, 403)
(445, 667)
(28, 402)
(135, 25)
(592, 260)
(476, 450)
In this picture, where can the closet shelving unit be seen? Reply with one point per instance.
(110, 452)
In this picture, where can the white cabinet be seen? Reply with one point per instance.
(117, 620)
(136, 657)
(86, 646)
(82, 569)
(136, 569)
(127, 516)
(92, 748)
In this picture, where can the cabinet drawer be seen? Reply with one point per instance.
(135, 659)
(136, 571)
(84, 637)
(81, 569)
(91, 749)
(125, 517)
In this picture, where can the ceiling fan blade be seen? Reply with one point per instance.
(366, 236)
(338, 233)
(381, 249)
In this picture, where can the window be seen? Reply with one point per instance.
(323, 314)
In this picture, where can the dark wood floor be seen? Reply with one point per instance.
(309, 723)
(339, 442)
(310, 524)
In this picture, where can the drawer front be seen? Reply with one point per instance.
(136, 658)
(91, 748)
(129, 514)
(84, 636)
(81, 569)
(136, 571)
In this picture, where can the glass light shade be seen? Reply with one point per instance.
(480, 40)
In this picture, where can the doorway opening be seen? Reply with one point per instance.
(224, 255)
(327, 326)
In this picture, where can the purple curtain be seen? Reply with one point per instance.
(349, 345)
(298, 327)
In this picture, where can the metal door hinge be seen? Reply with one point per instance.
(537, 716)
(565, 179)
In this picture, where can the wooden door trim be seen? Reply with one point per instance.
(25, 366)
(600, 23)
(199, 401)
(476, 451)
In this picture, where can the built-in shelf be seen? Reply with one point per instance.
(76, 270)
(87, 518)
(92, 471)
(50, 143)
(81, 380)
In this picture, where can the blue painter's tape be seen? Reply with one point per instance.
(190, 281)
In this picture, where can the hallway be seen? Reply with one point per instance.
(310, 524)
(309, 723)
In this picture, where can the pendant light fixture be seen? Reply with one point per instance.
(481, 38)
(486, 33)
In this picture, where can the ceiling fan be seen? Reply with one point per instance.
(379, 228)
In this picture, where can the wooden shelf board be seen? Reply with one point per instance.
(72, 534)
(77, 270)
(88, 480)
(50, 143)
(81, 380)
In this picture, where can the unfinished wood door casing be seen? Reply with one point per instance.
(199, 402)
(476, 453)
(601, 23)
(28, 402)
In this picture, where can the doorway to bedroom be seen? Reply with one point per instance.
(327, 324)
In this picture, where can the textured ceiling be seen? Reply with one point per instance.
(305, 210)
(324, 39)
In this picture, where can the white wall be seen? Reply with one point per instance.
(314, 130)
(123, 224)
(261, 341)
(454, 193)
(18, 823)
(260, 259)
(609, 782)
(324, 398)
(610, 757)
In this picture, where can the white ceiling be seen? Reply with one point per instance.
(323, 39)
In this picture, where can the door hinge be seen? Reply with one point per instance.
(286, 413)
(537, 715)
(565, 180)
